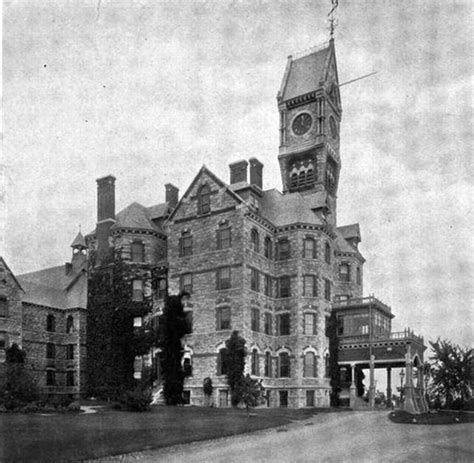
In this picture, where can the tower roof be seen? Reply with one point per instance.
(79, 241)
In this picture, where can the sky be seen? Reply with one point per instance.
(150, 91)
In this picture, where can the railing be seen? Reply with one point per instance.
(406, 334)
(361, 301)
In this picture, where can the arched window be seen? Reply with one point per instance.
(138, 251)
(327, 253)
(69, 324)
(310, 365)
(302, 178)
(50, 323)
(268, 365)
(255, 367)
(267, 247)
(254, 240)
(187, 364)
(221, 366)
(327, 372)
(309, 248)
(204, 200)
(284, 365)
(309, 177)
(294, 180)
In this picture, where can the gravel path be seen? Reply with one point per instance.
(336, 437)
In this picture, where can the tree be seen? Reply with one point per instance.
(251, 392)
(334, 373)
(450, 373)
(174, 328)
(234, 364)
(207, 388)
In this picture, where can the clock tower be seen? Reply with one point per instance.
(310, 115)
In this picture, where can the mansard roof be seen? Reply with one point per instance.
(59, 287)
(304, 75)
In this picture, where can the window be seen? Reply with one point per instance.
(327, 289)
(185, 244)
(284, 365)
(268, 321)
(160, 288)
(344, 272)
(268, 365)
(359, 275)
(255, 367)
(255, 320)
(283, 249)
(70, 352)
(223, 398)
(331, 175)
(3, 340)
(326, 366)
(310, 288)
(3, 307)
(221, 366)
(50, 351)
(310, 398)
(223, 237)
(69, 324)
(137, 295)
(50, 377)
(188, 320)
(284, 287)
(283, 324)
(223, 318)
(186, 397)
(187, 366)
(309, 365)
(204, 200)
(267, 247)
(254, 280)
(267, 285)
(223, 278)
(283, 398)
(70, 378)
(309, 248)
(327, 253)
(310, 323)
(254, 240)
(138, 251)
(186, 283)
(50, 323)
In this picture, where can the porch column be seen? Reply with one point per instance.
(421, 385)
(409, 404)
(352, 389)
(389, 387)
(372, 383)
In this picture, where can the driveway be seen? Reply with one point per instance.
(336, 437)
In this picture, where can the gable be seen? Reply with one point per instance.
(221, 197)
(6, 274)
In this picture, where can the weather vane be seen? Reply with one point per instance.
(332, 18)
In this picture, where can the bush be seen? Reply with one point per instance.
(138, 400)
(74, 406)
(60, 401)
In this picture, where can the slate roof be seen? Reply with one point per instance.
(350, 231)
(305, 74)
(79, 241)
(342, 245)
(53, 287)
(158, 211)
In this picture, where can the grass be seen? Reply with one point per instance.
(439, 417)
(111, 432)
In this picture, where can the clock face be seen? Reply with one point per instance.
(333, 127)
(302, 123)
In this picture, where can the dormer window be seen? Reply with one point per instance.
(204, 200)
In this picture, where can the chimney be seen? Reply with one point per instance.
(256, 172)
(172, 195)
(238, 172)
(105, 215)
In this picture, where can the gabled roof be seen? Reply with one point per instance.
(305, 74)
(56, 287)
(135, 216)
(2, 262)
(158, 211)
(350, 231)
(204, 170)
(342, 245)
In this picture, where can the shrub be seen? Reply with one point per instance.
(74, 406)
(138, 400)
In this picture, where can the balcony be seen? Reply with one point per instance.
(406, 335)
(361, 302)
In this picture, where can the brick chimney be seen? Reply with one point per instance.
(238, 172)
(256, 172)
(172, 195)
(105, 215)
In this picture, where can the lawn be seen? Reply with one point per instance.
(110, 432)
(439, 417)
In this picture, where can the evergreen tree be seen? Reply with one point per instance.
(251, 393)
(234, 364)
(450, 373)
(174, 327)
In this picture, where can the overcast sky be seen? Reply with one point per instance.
(152, 91)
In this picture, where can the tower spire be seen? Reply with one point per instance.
(332, 18)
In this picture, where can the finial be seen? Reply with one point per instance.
(332, 18)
